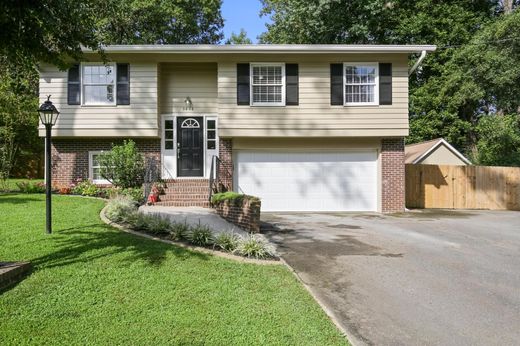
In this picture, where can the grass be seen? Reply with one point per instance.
(93, 284)
(10, 184)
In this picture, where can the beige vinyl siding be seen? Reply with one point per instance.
(180, 80)
(314, 116)
(139, 119)
(442, 156)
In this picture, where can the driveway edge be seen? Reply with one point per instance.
(348, 335)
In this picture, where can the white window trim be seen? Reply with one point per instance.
(91, 169)
(376, 86)
(82, 93)
(266, 104)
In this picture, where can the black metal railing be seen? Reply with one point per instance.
(220, 179)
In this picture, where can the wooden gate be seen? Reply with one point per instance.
(462, 187)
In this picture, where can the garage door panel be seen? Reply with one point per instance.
(310, 181)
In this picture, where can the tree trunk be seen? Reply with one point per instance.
(508, 6)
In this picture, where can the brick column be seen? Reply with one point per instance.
(225, 153)
(393, 180)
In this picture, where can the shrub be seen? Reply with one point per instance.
(149, 223)
(254, 247)
(120, 209)
(159, 225)
(86, 188)
(179, 231)
(227, 241)
(135, 194)
(31, 187)
(123, 166)
(233, 197)
(201, 235)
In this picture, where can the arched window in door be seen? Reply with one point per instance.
(190, 123)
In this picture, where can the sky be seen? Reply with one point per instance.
(243, 14)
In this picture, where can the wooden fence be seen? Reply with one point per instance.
(463, 187)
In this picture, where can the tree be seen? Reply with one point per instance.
(53, 31)
(18, 117)
(499, 141)
(240, 38)
(47, 31)
(160, 22)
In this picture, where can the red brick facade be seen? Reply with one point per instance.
(392, 171)
(70, 157)
(245, 214)
(225, 153)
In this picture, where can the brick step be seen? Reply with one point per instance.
(204, 204)
(187, 182)
(187, 189)
(184, 198)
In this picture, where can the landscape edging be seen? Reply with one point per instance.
(189, 247)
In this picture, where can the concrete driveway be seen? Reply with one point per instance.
(419, 278)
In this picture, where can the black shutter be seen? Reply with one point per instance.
(73, 86)
(291, 84)
(123, 84)
(385, 84)
(243, 84)
(336, 84)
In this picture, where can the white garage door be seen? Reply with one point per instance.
(309, 181)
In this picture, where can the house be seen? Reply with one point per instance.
(303, 127)
(434, 152)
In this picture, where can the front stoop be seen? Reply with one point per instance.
(12, 272)
(185, 193)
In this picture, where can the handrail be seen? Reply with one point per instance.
(216, 184)
(147, 184)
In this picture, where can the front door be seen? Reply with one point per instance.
(190, 147)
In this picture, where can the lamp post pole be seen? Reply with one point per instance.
(48, 116)
(48, 180)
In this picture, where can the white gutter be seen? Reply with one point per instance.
(264, 48)
(417, 63)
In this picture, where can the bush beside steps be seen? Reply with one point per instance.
(124, 210)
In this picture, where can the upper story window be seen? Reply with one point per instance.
(268, 84)
(99, 84)
(361, 83)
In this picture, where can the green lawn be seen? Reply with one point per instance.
(93, 284)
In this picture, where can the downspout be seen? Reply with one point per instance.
(417, 63)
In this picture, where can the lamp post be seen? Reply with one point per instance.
(48, 116)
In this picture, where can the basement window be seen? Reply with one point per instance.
(94, 168)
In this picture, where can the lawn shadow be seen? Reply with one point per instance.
(8, 198)
(78, 244)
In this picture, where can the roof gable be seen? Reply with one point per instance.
(416, 153)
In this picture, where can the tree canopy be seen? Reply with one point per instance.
(240, 38)
(53, 31)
